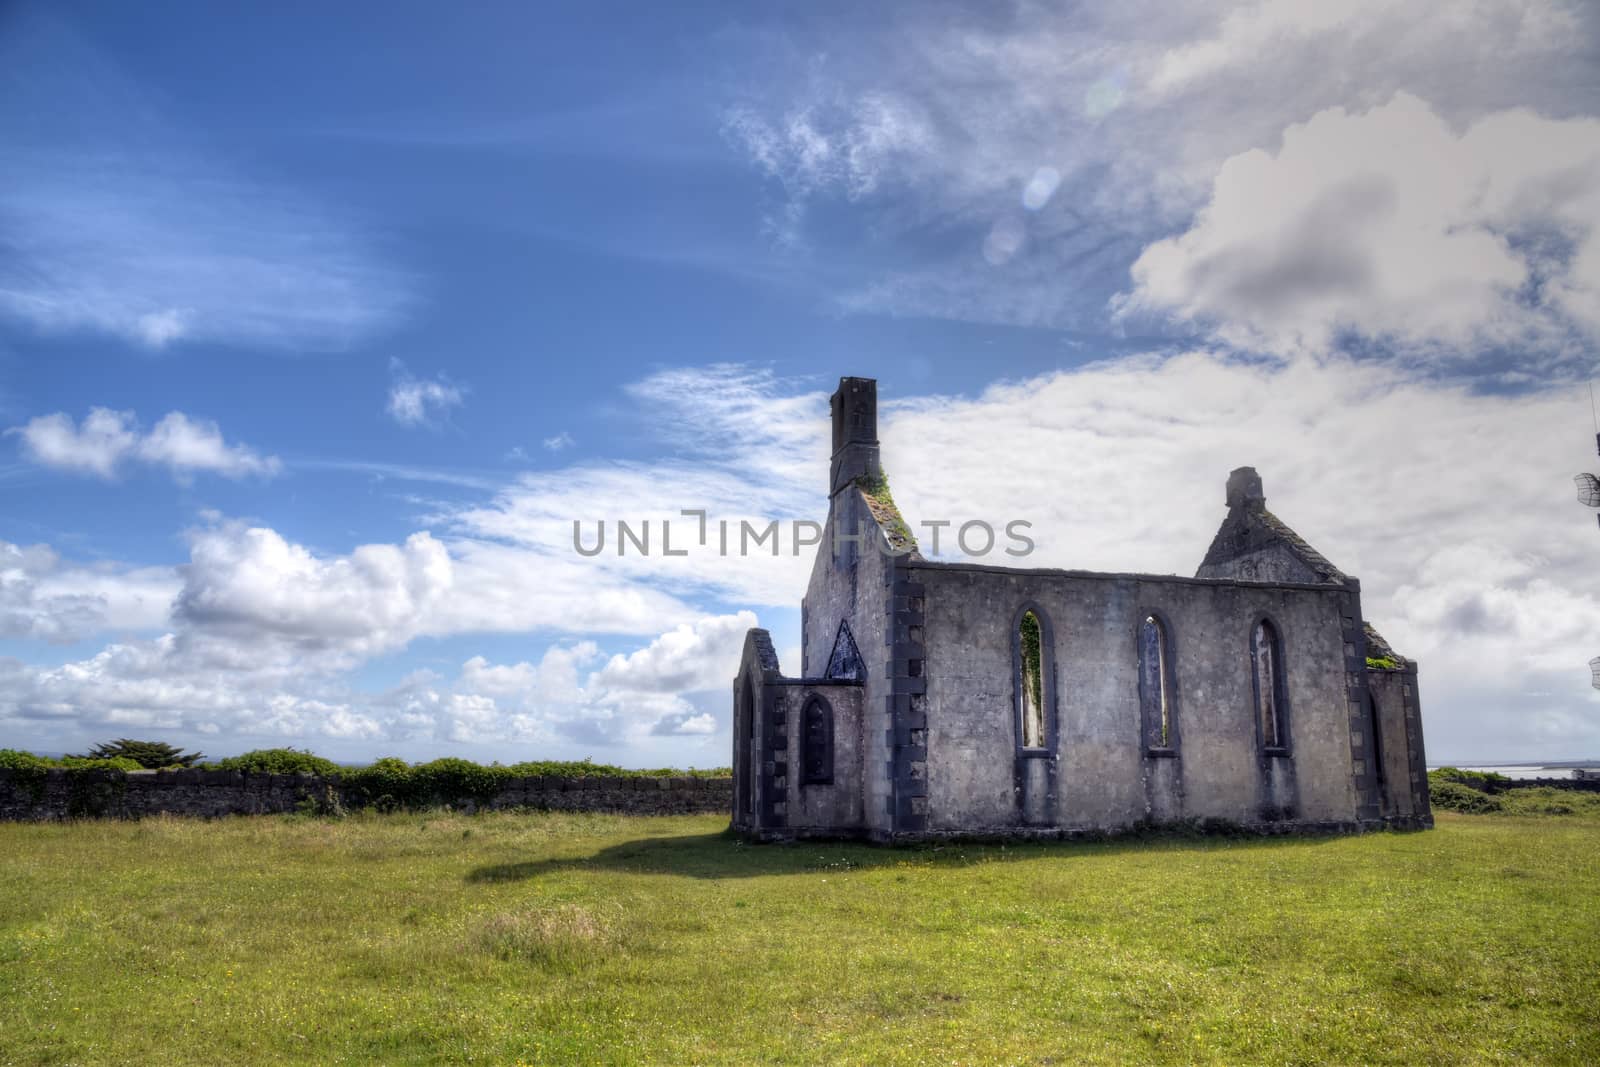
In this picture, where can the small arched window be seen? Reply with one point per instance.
(1030, 681)
(1375, 725)
(816, 742)
(745, 742)
(1272, 705)
(1157, 686)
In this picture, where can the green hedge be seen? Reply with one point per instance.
(12, 759)
(84, 792)
(1449, 795)
(386, 784)
(278, 761)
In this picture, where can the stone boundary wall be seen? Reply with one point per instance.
(64, 793)
(1487, 785)
(1575, 784)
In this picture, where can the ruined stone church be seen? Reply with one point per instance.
(941, 699)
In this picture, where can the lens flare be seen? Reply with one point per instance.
(1040, 188)
(1004, 241)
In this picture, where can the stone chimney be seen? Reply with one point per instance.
(855, 433)
(1244, 489)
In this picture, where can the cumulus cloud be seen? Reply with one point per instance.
(935, 136)
(43, 598)
(417, 401)
(176, 682)
(251, 582)
(688, 658)
(1453, 505)
(1390, 226)
(630, 696)
(559, 442)
(107, 439)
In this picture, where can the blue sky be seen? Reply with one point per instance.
(318, 328)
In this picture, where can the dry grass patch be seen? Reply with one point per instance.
(557, 935)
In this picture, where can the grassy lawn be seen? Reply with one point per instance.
(549, 938)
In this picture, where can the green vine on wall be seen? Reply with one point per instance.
(1032, 660)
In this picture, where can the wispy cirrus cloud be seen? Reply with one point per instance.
(1010, 169)
(417, 401)
(115, 222)
(107, 440)
(1473, 556)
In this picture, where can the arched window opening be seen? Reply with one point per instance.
(1376, 729)
(747, 729)
(1266, 655)
(816, 744)
(1031, 683)
(1156, 685)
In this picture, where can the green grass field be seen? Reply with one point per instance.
(548, 938)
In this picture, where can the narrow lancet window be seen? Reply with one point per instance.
(1155, 684)
(1031, 684)
(1266, 654)
(816, 746)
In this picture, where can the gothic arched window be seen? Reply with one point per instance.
(1271, 693)
(1032, 670)
(816, 742)
(1157, 686)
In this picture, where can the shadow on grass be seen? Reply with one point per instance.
(726, 855)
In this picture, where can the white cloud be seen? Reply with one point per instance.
(698, 724)
(1452, 505)
(688, 658)
(43, 599)
(1126, 111)
(157, 329)
(420, 401)
(183, 445)
(1391, 226)
(559, 442)
(106, 439)
(252, 585)
(749, 449)
(1265, 33)
(631, 696)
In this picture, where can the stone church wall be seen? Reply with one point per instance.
(1103, 779)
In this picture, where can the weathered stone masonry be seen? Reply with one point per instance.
(1270, 715)
(63, 794)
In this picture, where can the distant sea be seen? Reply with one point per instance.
(1553, 769)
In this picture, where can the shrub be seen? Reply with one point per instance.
(386, 784)
(12, 759)
(151, 755)
(1453, 796)
(93, 785)
(27, 769)
(280, 761)
(85, 763)
(451, 780)
(590, 769)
